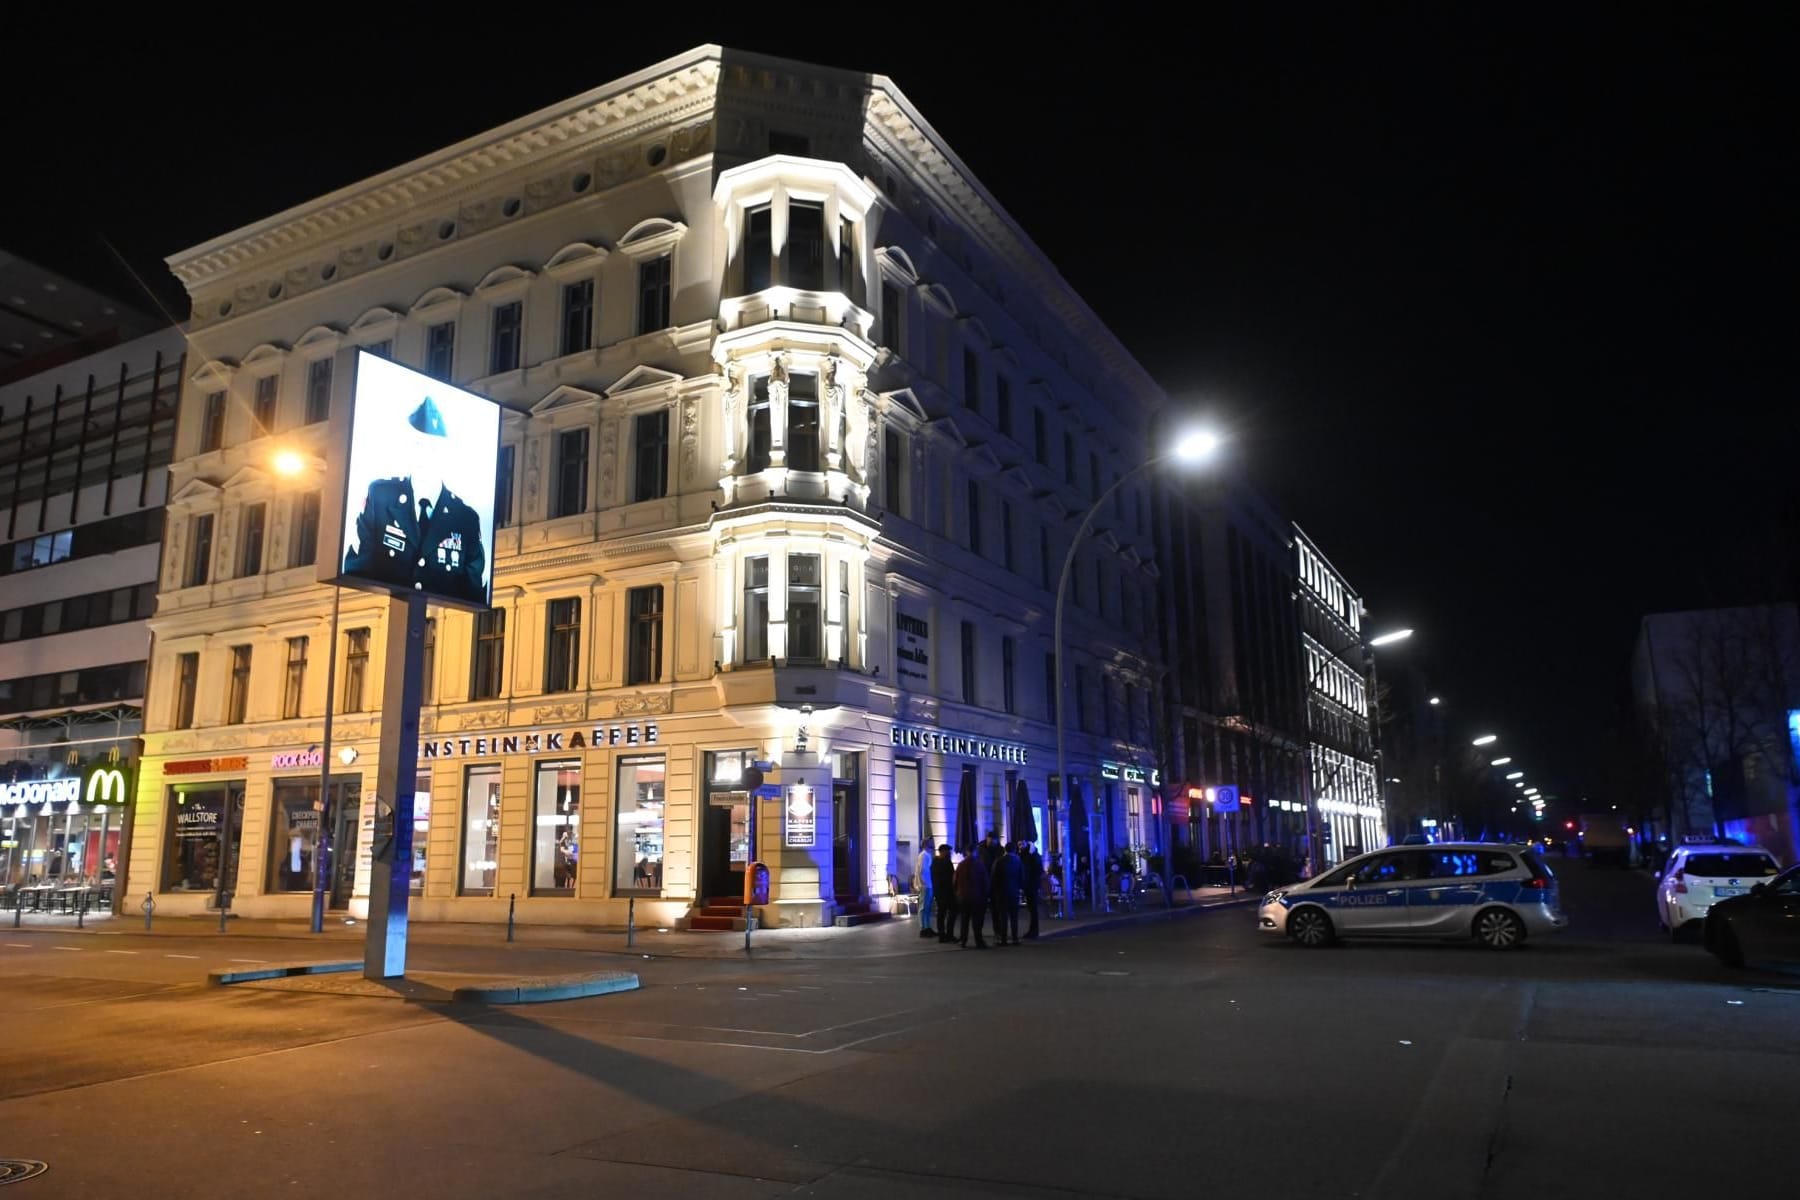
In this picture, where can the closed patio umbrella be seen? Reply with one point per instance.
(967, 805)
(1024, 824)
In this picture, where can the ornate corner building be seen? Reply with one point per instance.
(798, 424)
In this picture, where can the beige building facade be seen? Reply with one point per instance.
(797, 425)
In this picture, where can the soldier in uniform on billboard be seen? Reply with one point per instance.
(413, 531)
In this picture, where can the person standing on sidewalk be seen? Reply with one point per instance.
(1031, 877)
(972, 897)
(1008, 872)
(943, 887)
(921, 886)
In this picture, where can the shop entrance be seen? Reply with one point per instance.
(846, 828)
(725, 833)
(346, 825)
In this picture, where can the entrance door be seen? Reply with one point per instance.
(346, 825)
(722, 842)
(846, 840)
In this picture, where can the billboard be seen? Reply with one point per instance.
(418, 495)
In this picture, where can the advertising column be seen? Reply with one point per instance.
(415, 520)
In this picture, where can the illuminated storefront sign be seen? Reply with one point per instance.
(206, 766)
(908, 737)
(801, 817)
(108, 785)
(41, 791)
(538, 742)
(295, 759)
(1129, 774)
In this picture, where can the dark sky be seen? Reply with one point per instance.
(1503, 315)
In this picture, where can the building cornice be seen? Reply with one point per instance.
(667, 92)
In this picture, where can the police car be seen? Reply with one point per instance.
(1699, 873)
(1497, 894)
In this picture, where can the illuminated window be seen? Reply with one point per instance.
(638, 846)
(480, 831)
(803, 423)
(756, 609)
(556, 828)
(295, 682)
(758, 443)
(805, 609)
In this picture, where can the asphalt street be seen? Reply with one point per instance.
(1185, 1059)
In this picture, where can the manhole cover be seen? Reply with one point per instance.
(12, 1170)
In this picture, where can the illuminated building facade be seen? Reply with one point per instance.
(1346, 791)
(84, 443)
(797, 425)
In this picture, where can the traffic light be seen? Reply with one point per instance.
(1568, 824)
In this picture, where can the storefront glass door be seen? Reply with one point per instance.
(346, 825)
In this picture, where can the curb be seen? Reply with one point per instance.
(537, 991)
(1145, 918)
(222, 977)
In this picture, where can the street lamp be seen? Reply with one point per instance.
(1386, 639)
(1516, 775)
(291, 464)
(1193, 447)
(1435, 701)
(1486, 739)
(1501, 761)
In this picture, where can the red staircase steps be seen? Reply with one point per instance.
(726, 914)
(858, 912)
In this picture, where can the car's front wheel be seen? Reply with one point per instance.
(1498, 929)
(1310, 927)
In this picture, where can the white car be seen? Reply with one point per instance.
(1697, 875)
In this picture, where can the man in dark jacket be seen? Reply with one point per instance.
(990, 850)
(972, 897)
(1031, 875)
(1005, 883)
(943, 889)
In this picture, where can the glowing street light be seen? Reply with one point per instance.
(1387, 639)
(1435, 701)
(1486, 739)
(1191, 448)
(288, 463)
(1501, 761)
(1517, 775)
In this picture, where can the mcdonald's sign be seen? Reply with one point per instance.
(108, 784)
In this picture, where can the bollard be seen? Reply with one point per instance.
(149, 907)
(631, 922)
(81, 912)
(749, 924)
(18, 908)
(224, 904)
(512, 903)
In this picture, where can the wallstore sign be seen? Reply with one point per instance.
(909, 737)
(539, 742)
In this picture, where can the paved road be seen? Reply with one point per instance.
(1184, 1059)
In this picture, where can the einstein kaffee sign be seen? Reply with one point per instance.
(937, 741)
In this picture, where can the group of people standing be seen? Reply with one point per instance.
(956, 898)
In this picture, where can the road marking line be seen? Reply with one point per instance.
(121, 951)
(20, 945)
(247, 960)
(70, 949)
(181, 956)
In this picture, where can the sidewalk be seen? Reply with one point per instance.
(885, 939)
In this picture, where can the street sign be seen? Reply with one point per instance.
(1225, 799)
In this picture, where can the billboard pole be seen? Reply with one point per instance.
(396, 777)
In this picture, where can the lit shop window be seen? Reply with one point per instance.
(638, 855)
(481, 830)
(556, 828)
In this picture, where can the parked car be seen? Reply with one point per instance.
(1497, 894)
(1699, 875)
(1761, 926)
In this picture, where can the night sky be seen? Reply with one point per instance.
(1500, 314)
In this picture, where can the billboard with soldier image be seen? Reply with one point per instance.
(418, 499)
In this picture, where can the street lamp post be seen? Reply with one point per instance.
(1195, 447)
(291, 464)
